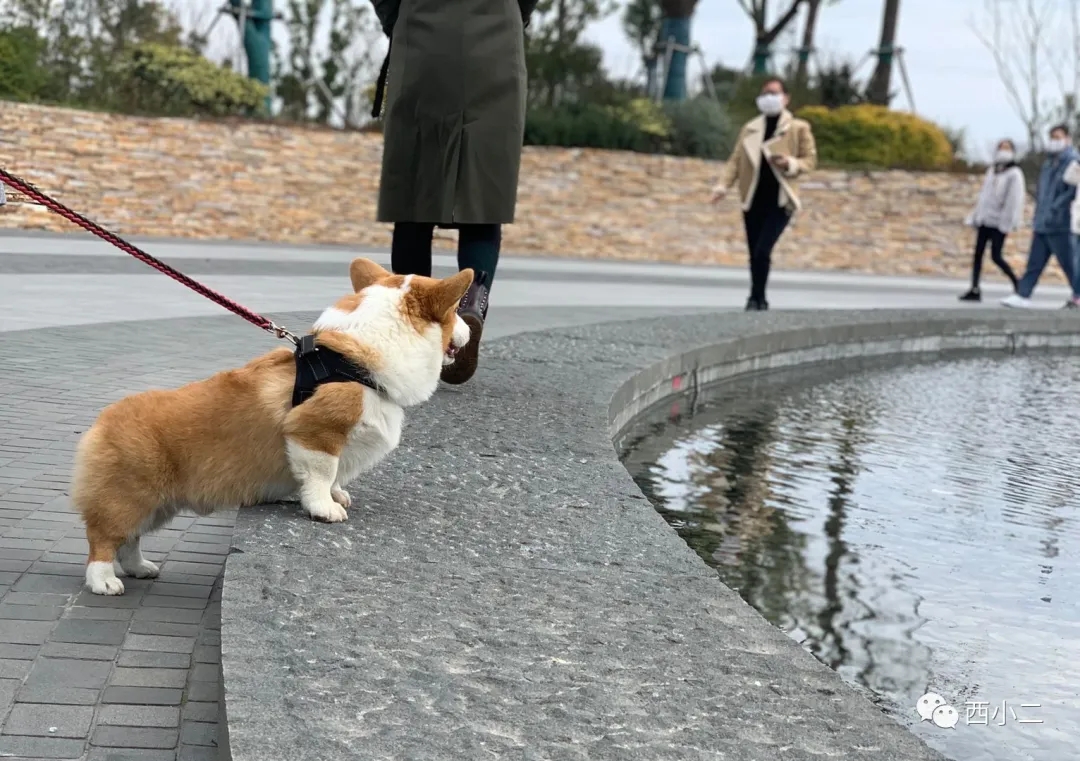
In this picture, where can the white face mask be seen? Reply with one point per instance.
(770, 103)
(1004, 156)
(1057, 145)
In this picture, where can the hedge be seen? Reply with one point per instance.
(698, 127)
(862, 135)
(866, 135)
(168, 80)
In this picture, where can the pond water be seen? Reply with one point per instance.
(915, 528)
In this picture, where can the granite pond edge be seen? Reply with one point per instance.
(782, 341)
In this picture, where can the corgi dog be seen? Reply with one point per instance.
(237, 439)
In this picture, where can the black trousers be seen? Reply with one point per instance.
(996, 239)
(478, 249)
(765, 223)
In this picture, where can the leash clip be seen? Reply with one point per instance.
(281, 332)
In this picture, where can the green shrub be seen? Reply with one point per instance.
(587, 125)
(174, 81)
(21, 75)
(700, 127)
(867, 135)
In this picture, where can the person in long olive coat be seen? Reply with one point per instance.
(455, 83)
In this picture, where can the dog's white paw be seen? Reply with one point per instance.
(329, 511)
(101, 579)
(341, 497)
(143, 570)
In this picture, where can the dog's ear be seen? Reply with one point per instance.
(449, 291)
(364, 272)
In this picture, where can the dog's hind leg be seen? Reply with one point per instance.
(100, 573)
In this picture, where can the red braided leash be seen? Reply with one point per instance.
(36, 195)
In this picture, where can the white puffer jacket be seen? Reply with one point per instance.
(1001, 200)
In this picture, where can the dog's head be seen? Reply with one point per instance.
(424, 302)
(409, 321)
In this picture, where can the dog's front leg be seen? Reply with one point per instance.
(315, 471)
(316, 433)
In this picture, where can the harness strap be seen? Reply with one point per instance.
(316, 365)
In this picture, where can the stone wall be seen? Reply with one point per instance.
(201, 179)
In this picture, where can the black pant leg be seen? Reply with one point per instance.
(775, 220)
(997, 255)
(752, 222)
(478, 249)
(983, 236)
(410, 250)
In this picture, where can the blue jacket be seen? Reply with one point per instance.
(1054, 196)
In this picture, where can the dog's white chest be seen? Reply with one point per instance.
(375, 435)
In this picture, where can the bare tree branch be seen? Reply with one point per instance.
(781, 23)
(1031, 46)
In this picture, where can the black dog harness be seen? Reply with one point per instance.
(316, 365)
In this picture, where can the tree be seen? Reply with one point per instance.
(317, 80)
(675, 31)
(879, 90)
(561, 66)
(802, 70)
(764, 35)
(1033, 49)
(807, 49)
(641, 21)
(81, 42)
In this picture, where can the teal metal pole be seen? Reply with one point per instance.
(678, 31)
(257, 42)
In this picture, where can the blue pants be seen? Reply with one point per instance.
(1062, 246)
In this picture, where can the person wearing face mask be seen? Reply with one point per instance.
(998, 211)
(1052, 232)
(771, 151)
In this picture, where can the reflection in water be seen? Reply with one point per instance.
(914, 528)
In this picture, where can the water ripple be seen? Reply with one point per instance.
(915, 528)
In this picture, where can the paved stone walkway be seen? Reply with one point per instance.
(137, 676)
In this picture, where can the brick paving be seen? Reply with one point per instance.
(82, 676)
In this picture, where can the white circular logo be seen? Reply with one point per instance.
(927, 704)
(945, 717)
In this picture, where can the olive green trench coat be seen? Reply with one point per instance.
(455, 110)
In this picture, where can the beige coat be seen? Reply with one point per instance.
(793, 139)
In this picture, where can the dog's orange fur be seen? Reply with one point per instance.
(219, 442)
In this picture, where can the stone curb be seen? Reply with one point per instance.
(507, 592)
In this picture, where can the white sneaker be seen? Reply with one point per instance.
(1016, 301)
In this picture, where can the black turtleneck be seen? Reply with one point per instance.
(768, 187)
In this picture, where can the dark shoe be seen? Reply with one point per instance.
(973, 295)
(1071, 304)
(752, 305)
(473, 310)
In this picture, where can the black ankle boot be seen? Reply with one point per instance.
(752, 305)
(973, 295)
(473, 310)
